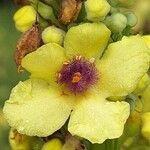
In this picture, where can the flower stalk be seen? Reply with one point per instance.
(83, 66)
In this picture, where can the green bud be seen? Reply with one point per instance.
(45, 11)
(53, 34)
(54, 144)
(131, 19)
(54, 3)
(113, 10)
(116, 22)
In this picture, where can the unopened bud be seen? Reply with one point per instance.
(96, 9)
(116, 22)
(54, 144)
(45, 11)
(146, 125)
(53, 34)
(24, 18)
(131, 19)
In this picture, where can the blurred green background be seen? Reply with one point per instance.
(8, 39)
(8, 72)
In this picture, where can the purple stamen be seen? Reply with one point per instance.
(78, 75)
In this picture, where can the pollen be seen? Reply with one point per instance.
(76, 77)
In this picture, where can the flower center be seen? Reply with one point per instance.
(78, 75)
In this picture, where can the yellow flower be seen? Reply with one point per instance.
(142, 85)
(145, 97)
(146, 125)
(24, 18)
(96, 9)
(40, 106)
(146, 38)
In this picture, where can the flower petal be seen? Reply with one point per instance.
(145, 99)
(123, 65)
(45, 62)
(88, 39)
(146, 38)
(96, 119)
(36, 109)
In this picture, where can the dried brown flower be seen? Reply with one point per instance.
(69, 10)
(28, 43)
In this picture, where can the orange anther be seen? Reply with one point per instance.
(76, 77)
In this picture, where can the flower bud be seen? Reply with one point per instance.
(54, 144)
(45, 11)
(96, 9)
(146, 125)
(131, 19)
(24, 18)
(113, 10)
(53, 34)
(116, 22)
(144, 82)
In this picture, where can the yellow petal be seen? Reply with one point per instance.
(143, 84)
(36, 109)
(45, 62)
(96, 119)
(146, 125)
(145, 99)
(123, 65)
(146, 38)
(88, 40)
